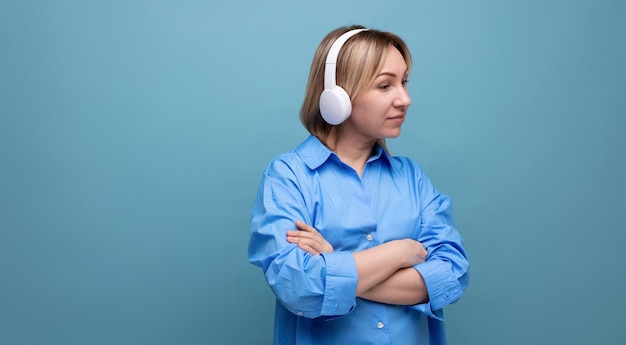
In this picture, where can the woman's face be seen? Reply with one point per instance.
(380, 111)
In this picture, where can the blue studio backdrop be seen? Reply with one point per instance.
(133, 135)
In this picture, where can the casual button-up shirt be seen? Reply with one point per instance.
(316, 294)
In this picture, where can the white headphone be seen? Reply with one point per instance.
(335, 104)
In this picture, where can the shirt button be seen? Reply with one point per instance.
(299, 313)
(380, 324)
(370, 237)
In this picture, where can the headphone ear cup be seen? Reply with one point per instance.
(335, 105)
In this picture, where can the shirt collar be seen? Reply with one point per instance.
(314, 153)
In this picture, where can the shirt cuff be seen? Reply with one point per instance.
(425, 308)
(341, 282)
(442, 285)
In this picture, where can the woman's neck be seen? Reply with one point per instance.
(351, 151)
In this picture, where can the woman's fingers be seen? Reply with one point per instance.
(305, 227)
(308, 249)
(308, 239)
(304, 240)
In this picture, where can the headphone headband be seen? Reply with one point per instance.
(331, 59)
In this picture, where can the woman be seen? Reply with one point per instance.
(357, 245)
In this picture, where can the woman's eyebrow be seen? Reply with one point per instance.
(391, 74)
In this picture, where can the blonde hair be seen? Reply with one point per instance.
(358, 63)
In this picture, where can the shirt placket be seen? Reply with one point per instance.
(379, 323)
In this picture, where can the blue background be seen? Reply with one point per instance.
(133, 135)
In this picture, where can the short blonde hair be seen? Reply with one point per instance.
(358, 63)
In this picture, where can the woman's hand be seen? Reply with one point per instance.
(308, 239)
(414, 251)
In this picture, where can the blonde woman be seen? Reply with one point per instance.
(357, 245)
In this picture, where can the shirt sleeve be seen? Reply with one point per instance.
(446, 270)
(307, 285)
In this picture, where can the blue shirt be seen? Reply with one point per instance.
(316, 294)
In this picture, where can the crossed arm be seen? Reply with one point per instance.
(385, 272)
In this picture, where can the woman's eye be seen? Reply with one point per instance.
(384, 87)
(404, 82)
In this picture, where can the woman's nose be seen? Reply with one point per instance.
(403, 99)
